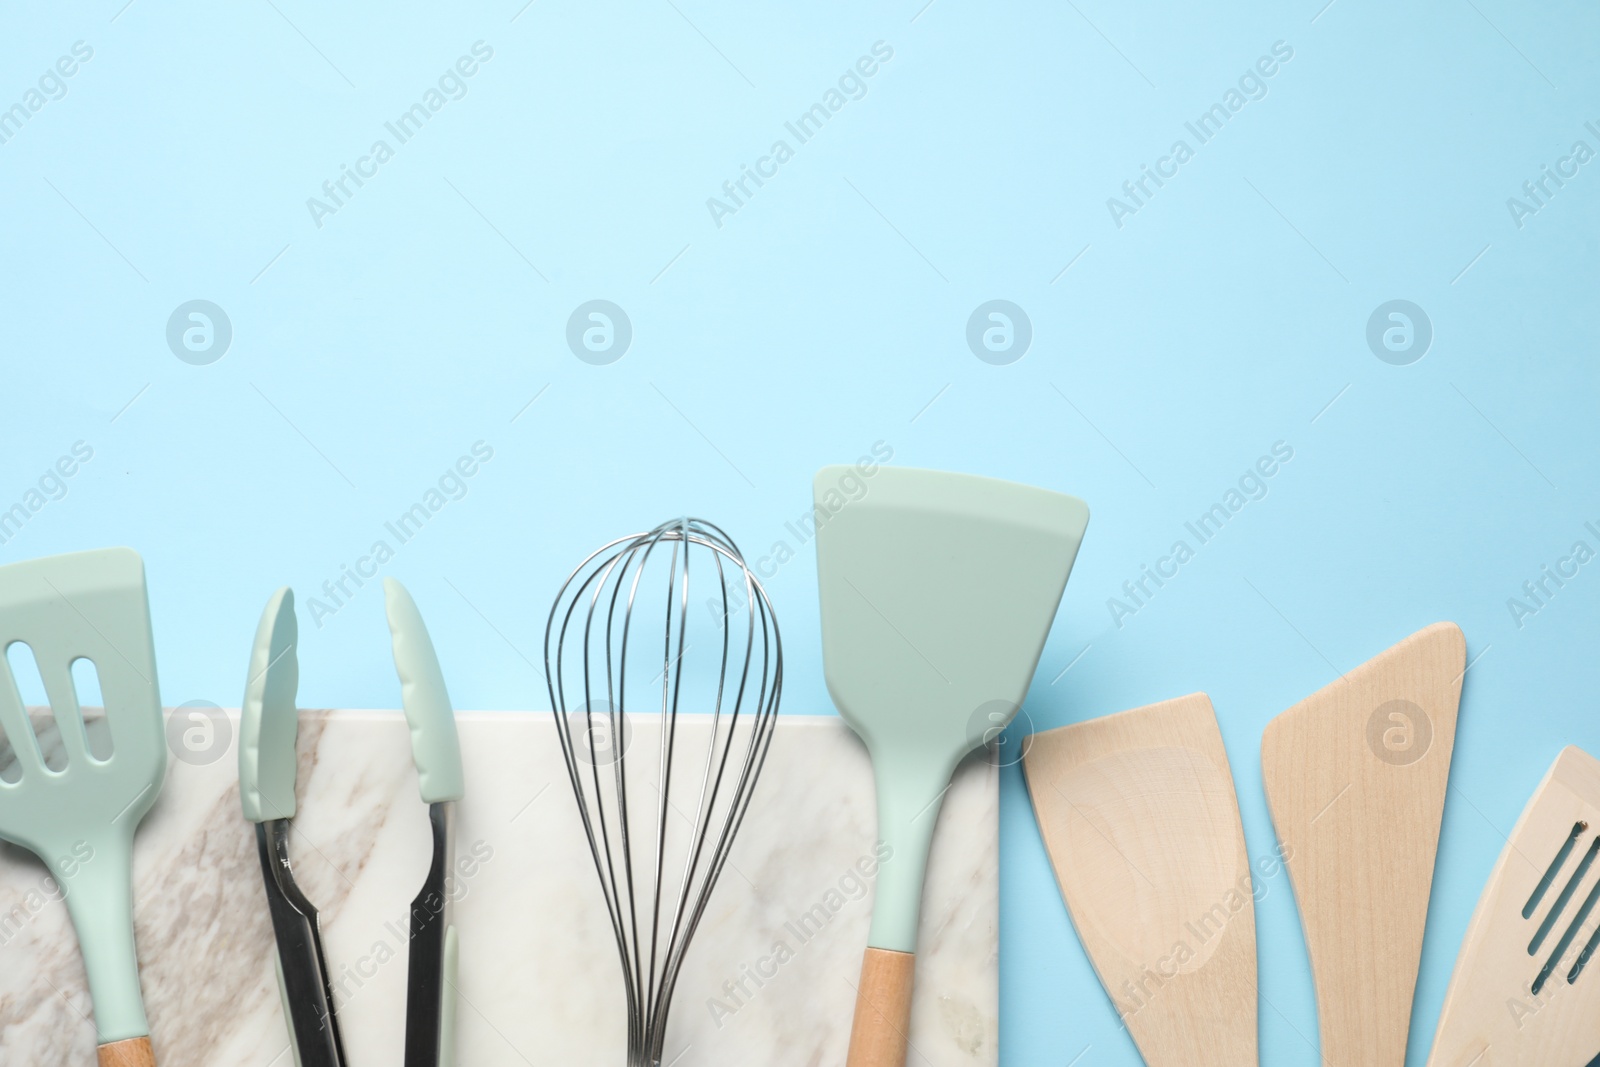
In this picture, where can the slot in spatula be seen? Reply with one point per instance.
(80, 819)
(938, 591)
(1355, 777)
(1140, 819)
(1526, 988)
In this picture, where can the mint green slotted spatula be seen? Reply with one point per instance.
(938, 591)
(80, 820)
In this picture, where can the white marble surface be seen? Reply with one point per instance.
(540, 982)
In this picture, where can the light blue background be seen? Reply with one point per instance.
(828, 314)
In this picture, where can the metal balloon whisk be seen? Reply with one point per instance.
(632, 644)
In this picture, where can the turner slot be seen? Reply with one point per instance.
(1555, 867)
(1566, 895)
(86, 687)
(26, 686)
(1572, 932)
(1583, 956)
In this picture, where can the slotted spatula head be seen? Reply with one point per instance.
(938, 591)
(80, 820)
(1526, 988)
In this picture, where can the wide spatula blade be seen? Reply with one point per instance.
(938, 591)
(1140, 819)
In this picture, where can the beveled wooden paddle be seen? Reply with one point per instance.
(1140, 819)
(1526, 988)
(1355, 777)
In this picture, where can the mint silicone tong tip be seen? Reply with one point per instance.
(268, 720)
(435, 745)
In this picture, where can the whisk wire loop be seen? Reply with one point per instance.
(652, 920)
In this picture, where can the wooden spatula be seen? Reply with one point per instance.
(1355, 776)
(1526, 989)
(1139, 816)
(937, 594)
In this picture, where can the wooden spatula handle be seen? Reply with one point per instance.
(134, 1052)
(883, 1009)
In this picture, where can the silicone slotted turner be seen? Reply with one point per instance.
(1526, 988)
(1139, 816)
(938, 591)
(1355, 777)
(80, 820)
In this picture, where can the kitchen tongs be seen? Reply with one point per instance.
(268, 726)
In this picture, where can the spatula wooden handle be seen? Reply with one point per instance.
(883, 1010)
(134, 1052)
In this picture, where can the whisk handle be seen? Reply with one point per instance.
(134, 1052)
(883, 1009)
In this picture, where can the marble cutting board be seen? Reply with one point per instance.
(770, 977)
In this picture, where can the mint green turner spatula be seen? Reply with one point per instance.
(938, 591)
(80, 819)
